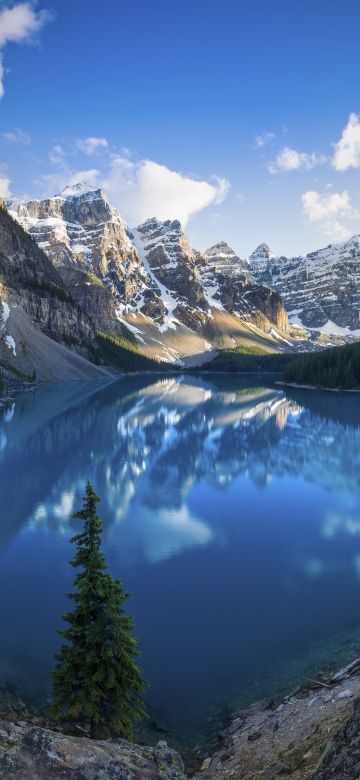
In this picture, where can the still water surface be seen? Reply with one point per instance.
(231, 512)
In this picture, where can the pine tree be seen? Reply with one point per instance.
(97, 682)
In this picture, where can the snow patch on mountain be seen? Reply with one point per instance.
(4, 316)
(142, 244)
(10, 343)
(76, 190)
(5, 312)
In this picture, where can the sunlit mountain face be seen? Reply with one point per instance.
(231, 512)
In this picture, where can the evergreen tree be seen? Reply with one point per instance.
(96, 681)
(336, 367)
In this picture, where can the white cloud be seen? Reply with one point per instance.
(18, 136)
(318, 207)
(146, 189)
(336, 231)
(263, 140)
(65, 174)
(4, 187)
(347, 150)
(53, 183)
(138, 188)
(57, 155)
(19, 24)
(290, 160)
(91, 144)
(326, 209)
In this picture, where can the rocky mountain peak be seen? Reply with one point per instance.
(89, 243)
(321, 290)
(220, 248)
(262, 252)
(222, 258)
(172, 263)
(153, 230)
(78, 190)
(31, 283)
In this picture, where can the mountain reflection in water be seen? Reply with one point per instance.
(231, 511)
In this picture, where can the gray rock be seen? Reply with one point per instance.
(39, 754)
(341, 757)
(88, 243)
(277, 770)
(344, 695)
(28, 279)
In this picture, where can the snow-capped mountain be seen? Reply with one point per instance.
(229, 287)
(222, 258)
(150, 284)
(320, 290)
(89, 244)
(174, 300)
(171, 262)
(38, 318)
(261, 253)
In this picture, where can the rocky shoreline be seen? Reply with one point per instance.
(314, 733)
(33, 753)
(298, 386)
(269, 740)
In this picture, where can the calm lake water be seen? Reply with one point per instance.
(231, 511)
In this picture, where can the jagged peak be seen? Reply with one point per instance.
(262, 252)
(80, 189)
(221, 248)
(354, 240)
(153, 223)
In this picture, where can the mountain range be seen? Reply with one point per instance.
(70, 268)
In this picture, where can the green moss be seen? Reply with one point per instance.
(95, 280)
(48, 288)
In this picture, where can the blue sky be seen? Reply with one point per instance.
(243, 119)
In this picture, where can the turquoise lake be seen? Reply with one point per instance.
(231, 511)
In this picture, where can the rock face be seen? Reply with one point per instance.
(89, 245)
(198, 283)
(320, 290)
(261, 253)
(118, 276)
(223, 259)
(341, 758)
(171, 261)
(29, 280)
(227, 285)
(39, 754)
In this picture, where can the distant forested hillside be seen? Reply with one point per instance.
(243, 359)
(125, 355)
(334, 367)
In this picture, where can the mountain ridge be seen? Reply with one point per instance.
(321, 290)
(172, 298)
(175, 302)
